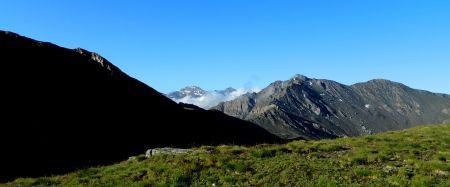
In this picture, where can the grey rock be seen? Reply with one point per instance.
(313, 108)
(132, 158)
(390, 170)
(167, 150)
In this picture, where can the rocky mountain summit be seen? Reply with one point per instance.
(315, 108)
(197, 92)
(189, 91)
(64, 109)
(204, 99)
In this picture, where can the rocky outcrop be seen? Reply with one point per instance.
(168, 151)
(312, 108)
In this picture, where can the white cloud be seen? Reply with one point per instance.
(213, 98)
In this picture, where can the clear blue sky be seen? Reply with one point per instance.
(245, 43)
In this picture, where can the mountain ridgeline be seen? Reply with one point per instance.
(64, 109)
(314, 109)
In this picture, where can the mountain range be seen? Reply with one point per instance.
(314, 108)
(64, 109)
(206, 99)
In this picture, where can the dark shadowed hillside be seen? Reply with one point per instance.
(314, 108)
(63, 109)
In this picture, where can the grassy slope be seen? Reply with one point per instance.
(413, 157)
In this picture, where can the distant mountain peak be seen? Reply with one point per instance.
(381, 81)
(192, 87)
(207, 99)
(299, 77)
(380, 85)
(188, 91)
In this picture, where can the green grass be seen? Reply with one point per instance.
(413, 157)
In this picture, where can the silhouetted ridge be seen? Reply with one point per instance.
(64, 109)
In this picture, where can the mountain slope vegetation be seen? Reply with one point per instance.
(414, 157)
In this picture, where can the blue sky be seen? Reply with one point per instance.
(250, 43)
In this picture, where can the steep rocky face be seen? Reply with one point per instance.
(64, 109)
(314, 108)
